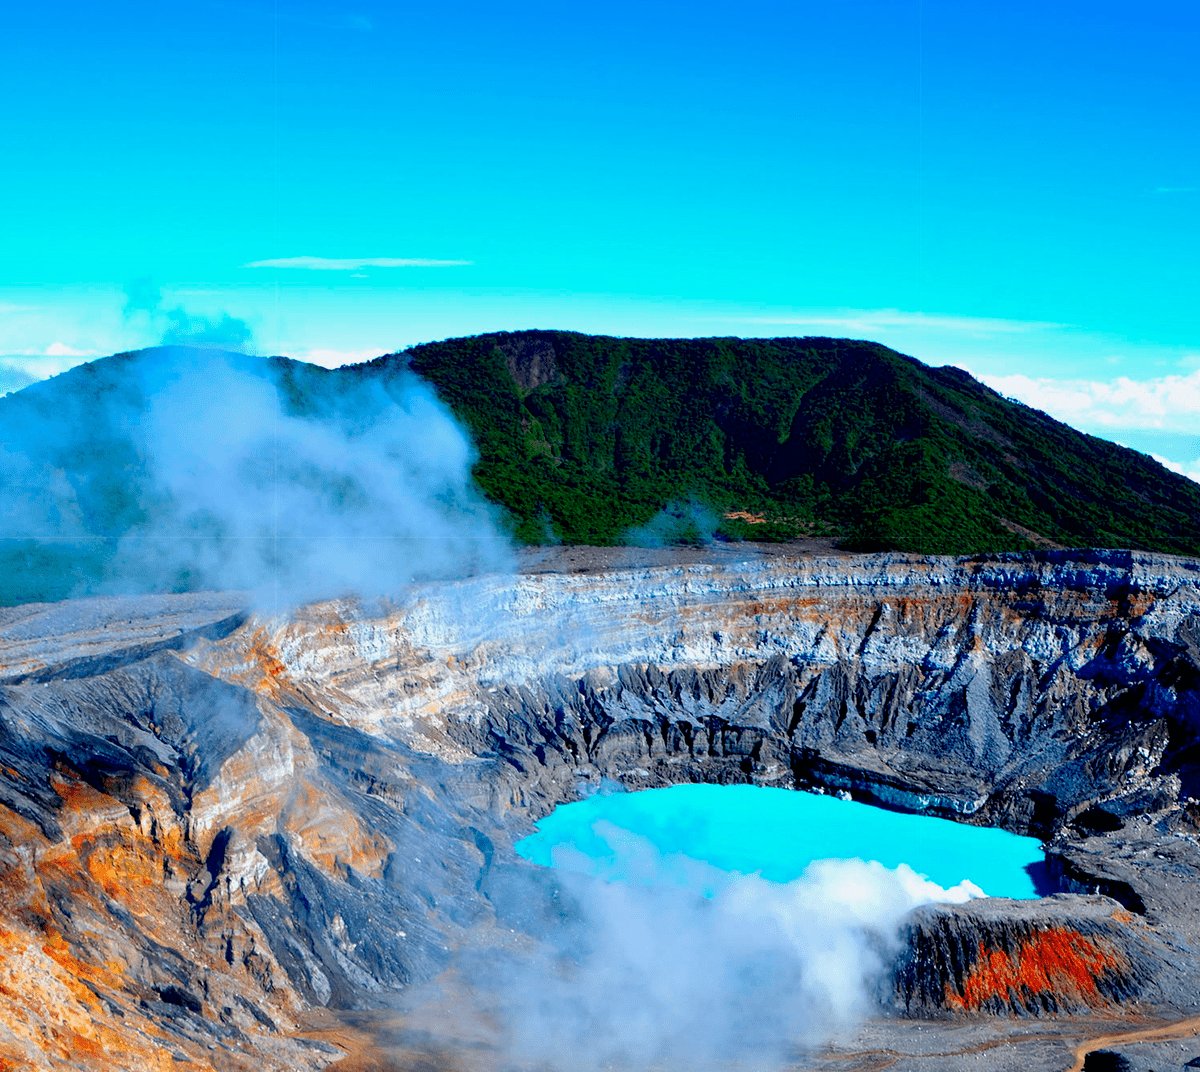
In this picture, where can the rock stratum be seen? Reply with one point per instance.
(216, 823)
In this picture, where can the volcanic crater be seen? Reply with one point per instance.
(240, 840)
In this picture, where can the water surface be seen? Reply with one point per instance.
(775, 833)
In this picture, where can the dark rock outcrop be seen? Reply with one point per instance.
(1059, 955)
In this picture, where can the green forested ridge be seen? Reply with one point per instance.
(594, 439)
(588, 437)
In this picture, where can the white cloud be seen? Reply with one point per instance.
(59, 349)
(1189, 469)
(20, 370)
(1160, 408)
(1168, 403)
(352, 264)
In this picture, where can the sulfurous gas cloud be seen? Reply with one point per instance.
(193, 467)
(685, 966)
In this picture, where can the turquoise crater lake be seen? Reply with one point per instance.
(776, 833)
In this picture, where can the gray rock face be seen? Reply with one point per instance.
(263, 815)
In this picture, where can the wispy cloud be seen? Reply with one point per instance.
(57, 354)
(20, 370)
(1167, 403)
(13, 377)
(60, 349)
(353, 264)
(1189, 469)
(868, 320)
(1175, 189)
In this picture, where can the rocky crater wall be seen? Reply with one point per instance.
(212, 821)
(1030, 694)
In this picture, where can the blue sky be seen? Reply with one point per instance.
(1011, 188)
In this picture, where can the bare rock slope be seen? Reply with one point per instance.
(213, 822)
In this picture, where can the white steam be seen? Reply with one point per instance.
(677, 522)
(177, 326)
(369, 492)
(687, 967)
(200, 469)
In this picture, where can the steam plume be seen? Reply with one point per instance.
(200, 469)
(179, 327)
(688, 967)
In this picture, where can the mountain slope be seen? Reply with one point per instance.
(591, 436)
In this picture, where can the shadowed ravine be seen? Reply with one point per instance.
(215, 824)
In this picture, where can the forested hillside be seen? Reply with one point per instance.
(587, 438)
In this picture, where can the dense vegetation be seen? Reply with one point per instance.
(587, 439)
(592, 439)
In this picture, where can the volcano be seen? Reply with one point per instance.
(237, 840)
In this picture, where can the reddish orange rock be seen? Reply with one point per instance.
(1056, 961)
